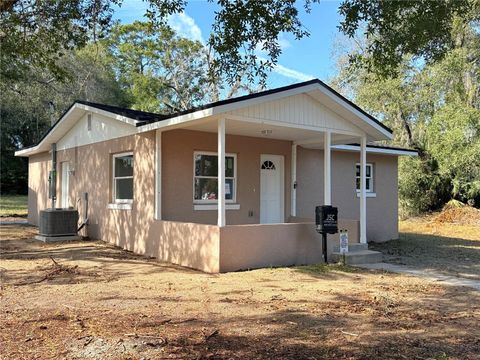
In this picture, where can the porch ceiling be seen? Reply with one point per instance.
(305, 137)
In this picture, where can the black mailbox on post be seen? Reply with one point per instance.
(326, 219)
(326, 222)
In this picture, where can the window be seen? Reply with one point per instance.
(368, 177)
(123, 178)
(268, 165)
(205, 181)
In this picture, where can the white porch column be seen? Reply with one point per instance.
(293, 205)
(327, 171)
(221, 172)
(158, 175)
(363, 192)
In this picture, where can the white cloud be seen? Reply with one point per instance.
(185, 26)
(288, 72)
(291, 73)
(284, 43)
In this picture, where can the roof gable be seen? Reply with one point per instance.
(299, 109)
(101, 128)
(330, 108)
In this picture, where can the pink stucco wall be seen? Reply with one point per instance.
(190, 238)
(382, 210)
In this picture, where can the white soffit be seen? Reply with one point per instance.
(376, 150)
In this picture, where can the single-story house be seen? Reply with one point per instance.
(226, 186)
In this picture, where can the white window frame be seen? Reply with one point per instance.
(368, 190)
(234, 199)
(114, 183)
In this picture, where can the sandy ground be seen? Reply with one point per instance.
(93, 301)
(444, 248)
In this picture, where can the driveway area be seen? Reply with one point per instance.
(89, 300)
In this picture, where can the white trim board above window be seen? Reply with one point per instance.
(205, 177)
(122, 178)
(368, 177)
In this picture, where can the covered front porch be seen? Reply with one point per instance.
(251, 194)
(263, 223)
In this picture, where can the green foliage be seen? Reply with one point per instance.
(421, 188)
(454, 140)
(160, 71)
(435, 109)
(37, 33)
(395, 29)
(28, 106)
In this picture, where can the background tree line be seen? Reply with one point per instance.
(414, 66)
(433, 108)
(135, 65)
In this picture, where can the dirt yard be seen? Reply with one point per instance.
(88, 300)
(445, 248)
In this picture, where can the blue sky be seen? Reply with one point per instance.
(301, 60)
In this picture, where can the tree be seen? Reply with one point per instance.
(162, 72)
(38, 32)
(395, 29)
(434, 108)
(27, 107)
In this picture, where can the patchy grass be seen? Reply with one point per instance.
(326, 268)
(95, 301)
(450, 249)
(428, 226)
(13, 205)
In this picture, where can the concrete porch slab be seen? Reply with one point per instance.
(357, 257)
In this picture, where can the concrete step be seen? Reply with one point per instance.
(358, 257)
(352, 247)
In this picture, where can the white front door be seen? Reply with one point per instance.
(65, 184)
(271, 189)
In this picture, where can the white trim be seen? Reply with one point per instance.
(363, 193)
(319, 129)
(120, 206)
(368, 194)
(121, 118)
(374, 150)
(217, 110)
(221, 221)
(158, 175)
(293, 189)
(221, 109)
(179, 120)
(215, 207)
(355, 111)
(327, 169)
(114, 183)
(38, 148)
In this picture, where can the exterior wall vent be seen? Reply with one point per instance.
(58, 222)
(89, 122)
